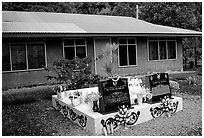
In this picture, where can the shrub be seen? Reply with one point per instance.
(95, 79)
(74, 73)
(26, 95)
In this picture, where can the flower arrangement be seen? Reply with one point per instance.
(74, 94)
(74, 97)
(148, 94)
(123, 116)
(77, 93)
(174, 86)
(59, 88)
(167, 104)
(136, 88)
(93, 96)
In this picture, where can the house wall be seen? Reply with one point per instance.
(143, 64)
(33, 77)
(54, 51)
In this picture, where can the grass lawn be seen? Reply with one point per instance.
(40, 118)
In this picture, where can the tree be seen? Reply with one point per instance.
(187, 15)
(110, 51)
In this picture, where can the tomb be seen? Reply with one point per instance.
(113, 95)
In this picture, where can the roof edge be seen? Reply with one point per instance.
(12, 34)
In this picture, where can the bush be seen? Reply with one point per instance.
(26, 95)
(74, 73)
(95, 79)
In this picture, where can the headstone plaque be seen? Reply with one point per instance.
(159, 85)
(114, 94)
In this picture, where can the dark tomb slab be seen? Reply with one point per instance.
(113, 94)
(159, 85)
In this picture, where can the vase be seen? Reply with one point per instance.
(95, 106)
(81, 99)
(139, 99)
(60, 95)
(75, 101)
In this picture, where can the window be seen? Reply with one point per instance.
(171, 49)
(18, 56)
(6, 66)
(36, 55)
(74, 48)
(127, 52)
(23, 55)
(162, 48)
(153, 48)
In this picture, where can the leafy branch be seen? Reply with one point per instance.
(110, 51)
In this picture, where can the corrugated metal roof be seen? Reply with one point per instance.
(41, 27)
(44, 22)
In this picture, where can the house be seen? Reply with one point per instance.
(31, 40)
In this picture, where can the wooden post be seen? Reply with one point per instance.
(137, 11)
(195, 53)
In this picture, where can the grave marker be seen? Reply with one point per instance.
(113, 94)
(159, 85)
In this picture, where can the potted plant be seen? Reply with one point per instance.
(75, 98)
(93, 97)
(60, 90)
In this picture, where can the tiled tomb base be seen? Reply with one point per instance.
(89, 120)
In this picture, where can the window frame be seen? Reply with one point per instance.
(157, 39)
(75, 46)
(126, 66)
(26, 55)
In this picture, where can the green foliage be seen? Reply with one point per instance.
(26, 95)
(110, 52)
(95, 79)
(176, 14)
(102, 8)
(192, 51)
(74, 73)
(187, 15)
